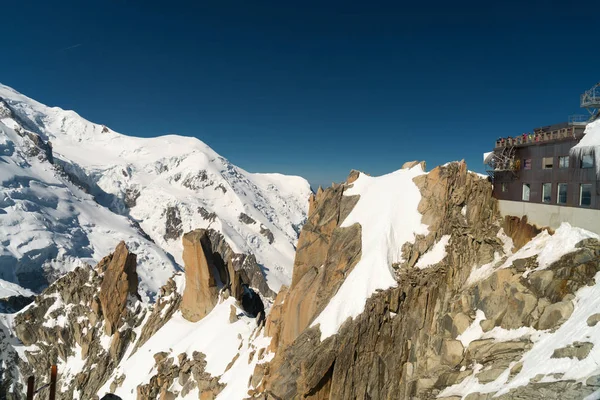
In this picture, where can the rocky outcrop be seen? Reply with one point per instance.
(246, 219)
(201, 277)
(36, 146)
(208, 216)
(87, 318)
(188, 373)
(405, 344)
(520, 231)
(119, 282)
(165, 306)
(411, 164)
(325, 254)
(212, 266)
(173, 225)
(267, 233)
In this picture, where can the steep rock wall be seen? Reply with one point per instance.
(406, 343)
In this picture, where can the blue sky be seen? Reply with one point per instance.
(309, 88)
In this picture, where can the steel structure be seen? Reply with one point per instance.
(502, 160)
(590, 100)
(578, 119)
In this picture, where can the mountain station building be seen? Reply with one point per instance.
(552, 174)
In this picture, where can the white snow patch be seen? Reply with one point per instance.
(8, 289)
(589, 144)
(434, 255)
(548, 249)
(387, 213)
(214, 336)
(474, 331)
(499, 334)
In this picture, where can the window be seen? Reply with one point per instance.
(563, 162)
(526, 190)
(585, 194)
(504, 187)
(587, 161)
(562, 193)
(547, 162)
(546, 192)
(527, 163)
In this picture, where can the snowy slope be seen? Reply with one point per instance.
(215, 336)
(173, 184)
(49, 226)
(387, 213)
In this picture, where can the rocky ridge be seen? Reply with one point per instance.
(407, 343)
(466, 326)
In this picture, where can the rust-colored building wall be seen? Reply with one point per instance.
(573, 176)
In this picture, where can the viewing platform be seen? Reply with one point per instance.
(543, 135)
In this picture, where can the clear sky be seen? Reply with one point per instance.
(309, 88)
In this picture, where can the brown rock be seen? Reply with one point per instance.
(201, 291)
(593, 319)
(520, 231)
(232, 314)
(579, 350)
(555, 314)
(452, 352)
(411, 164)
(403, 345)
(353, 176)
(325, 254)
(120, 280)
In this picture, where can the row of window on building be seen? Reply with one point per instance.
(585, 193)
(587, 161)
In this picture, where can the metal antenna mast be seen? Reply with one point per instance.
(590, 100)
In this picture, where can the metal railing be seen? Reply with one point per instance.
(538, 137)
(578, 119)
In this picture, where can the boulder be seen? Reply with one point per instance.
(593, 319)
(555, 314)
(452, 352)
(578, 350)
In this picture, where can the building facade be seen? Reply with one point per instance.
(538, 168)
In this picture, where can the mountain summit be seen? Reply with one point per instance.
(70, 190)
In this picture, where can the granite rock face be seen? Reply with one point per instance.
(119, 282)
(202, 280)
(405, 344)
(325, 253)
(211, 266)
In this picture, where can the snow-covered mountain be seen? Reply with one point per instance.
(70, 190)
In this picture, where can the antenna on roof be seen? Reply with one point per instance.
(590, 100)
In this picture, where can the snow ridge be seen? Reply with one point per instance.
(387, 213)
(166, 185)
